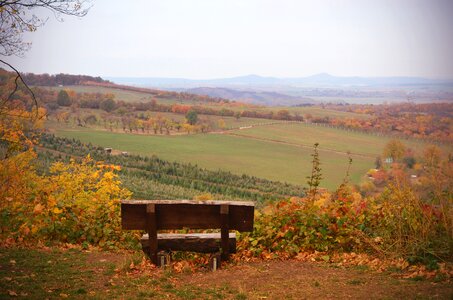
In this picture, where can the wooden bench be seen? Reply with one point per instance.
(155, 215)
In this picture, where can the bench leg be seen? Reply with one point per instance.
(163, 259)
(225, 232)
(152, 232)
(215, 262)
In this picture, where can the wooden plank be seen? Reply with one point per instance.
(194, 216)
(196, 242)
(205, 202)
(151, 228)
(224, 230)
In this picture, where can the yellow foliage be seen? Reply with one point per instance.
(323, 199)
(16, 122)
(203, 197)
(76, 203)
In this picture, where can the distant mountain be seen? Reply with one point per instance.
(250, 96)
(324, 79)
(299, 90)
(318, 80)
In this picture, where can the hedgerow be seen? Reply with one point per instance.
(396, 224)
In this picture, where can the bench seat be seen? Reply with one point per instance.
(196, 242)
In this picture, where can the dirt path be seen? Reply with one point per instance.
(302, 280)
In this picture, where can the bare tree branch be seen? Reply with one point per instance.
(17, 18)
(18, 76)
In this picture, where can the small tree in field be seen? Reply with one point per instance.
(192, 117)
(315, 178)
(108, 105)
(394, 149)
(63, 98)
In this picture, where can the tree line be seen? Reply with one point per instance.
(59, 79)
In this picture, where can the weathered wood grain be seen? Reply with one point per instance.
(151, 228)
(224, 230)
(196, 242)
(184, 215)
(205, 202)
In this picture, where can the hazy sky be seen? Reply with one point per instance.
(216, 38)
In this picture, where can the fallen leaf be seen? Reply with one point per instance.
(38, 209)
(12, 293)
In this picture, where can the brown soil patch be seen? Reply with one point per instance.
(303, 280)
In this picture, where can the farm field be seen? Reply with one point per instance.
(329, 138)
(240, 155)
(317, 111)
(133, 96)
(137, 96)
(120, 95)
(359, 100)
(230, 122)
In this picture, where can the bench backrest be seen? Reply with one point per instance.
(178, 214)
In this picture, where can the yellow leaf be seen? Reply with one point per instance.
(57, 211)
(320, 202)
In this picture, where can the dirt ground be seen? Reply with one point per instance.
(303, 280)
(79, 274)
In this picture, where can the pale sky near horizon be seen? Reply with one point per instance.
(217, 38)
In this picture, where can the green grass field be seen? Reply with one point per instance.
(317, 111)
(328, 138)
(275, 161)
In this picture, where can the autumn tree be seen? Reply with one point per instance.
(63, 98)
(432, 156)
(107, 105)
(221, 123)
(192, 117)
(90, 119)
(394, 149)
(283, 115)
